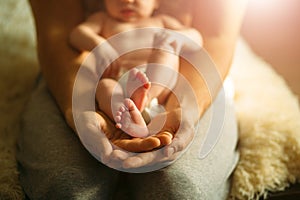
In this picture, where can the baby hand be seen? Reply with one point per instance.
(168, 40)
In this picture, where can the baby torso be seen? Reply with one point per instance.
(131, 39)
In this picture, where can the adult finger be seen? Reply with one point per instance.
(138, 144)
(182, 139)
(142, 159)
(90, 128)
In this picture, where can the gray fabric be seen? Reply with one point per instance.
(52, 162)
(54, 165)
(191, 177)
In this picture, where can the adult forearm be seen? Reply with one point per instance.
(219, 22)
(59, 62)
(59, 73)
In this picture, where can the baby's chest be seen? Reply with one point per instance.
(132, 39)
(134, 59)
(131, 35)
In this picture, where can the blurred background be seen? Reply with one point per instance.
(272, 28)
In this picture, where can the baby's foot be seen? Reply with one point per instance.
(138, 87)
(130, 120)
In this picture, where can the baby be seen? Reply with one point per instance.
(141, 88)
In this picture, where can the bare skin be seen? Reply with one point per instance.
(219, 22)
(129, 117)
(130, 120)
(138, 87)
(122, 16)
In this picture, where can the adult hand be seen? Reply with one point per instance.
(183, 133)
(104, 142)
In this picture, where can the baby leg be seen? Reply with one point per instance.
(110, 99)
(162, 72)
(137, 87)
(109, 96)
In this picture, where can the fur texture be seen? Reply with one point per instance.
(268, 113)
(269, 127)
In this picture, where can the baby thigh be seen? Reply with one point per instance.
(109, 96)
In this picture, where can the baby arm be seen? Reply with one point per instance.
(86, 36)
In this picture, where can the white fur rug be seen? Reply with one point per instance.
(268, 113)
(269, 126)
